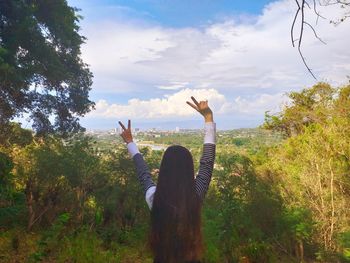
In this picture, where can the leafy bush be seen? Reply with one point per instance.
(344, 241)
(84, 247)
(51, 239)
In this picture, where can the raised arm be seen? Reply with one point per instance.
(206, 165)
(142, 170)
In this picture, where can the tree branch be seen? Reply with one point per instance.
(300, 12)
(294, 21)
(316, 12)
(312, 28)
(301, 38)
(306, 3)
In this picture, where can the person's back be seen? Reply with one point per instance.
(175, 203)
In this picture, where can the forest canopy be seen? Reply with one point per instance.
(42, 75)
(270, 201)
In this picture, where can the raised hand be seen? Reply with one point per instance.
(126, 133)
(203, 108)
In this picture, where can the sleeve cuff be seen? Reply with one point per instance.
(150, 196)
(132, 148)
(210, 132)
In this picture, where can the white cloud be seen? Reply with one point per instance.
(174, 105)
(245, 65)
(174, 86)
(227, 56)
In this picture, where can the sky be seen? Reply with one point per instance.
(149, 56)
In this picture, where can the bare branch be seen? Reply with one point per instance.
(304, 61)
(336, 2)
(316, 12)
(312, 28)
(294, 21)
(299, 17)
(341, 20)
(301, 38)
(302, 23)
(295, 40)
(306, 3)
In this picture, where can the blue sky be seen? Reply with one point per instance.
(173, 13)
(149, 56)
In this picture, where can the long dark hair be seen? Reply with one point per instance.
(175, 234)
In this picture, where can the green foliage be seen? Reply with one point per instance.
(306, 107)
(244, 210)
(84, 246)
(41, 71)
(51, 238)
(12, 208)
(174, 139)
(298, 224)
(14, 135)
(344, 241)
(16, 245)
(240, 141)
(12, 203)
(6, 165)
(211, 233)
(270, 200)
(311, 168)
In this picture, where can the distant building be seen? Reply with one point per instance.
(177, 129)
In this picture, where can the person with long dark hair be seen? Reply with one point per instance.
(176, 201)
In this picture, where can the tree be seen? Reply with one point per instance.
(244, 209)
(39, 173)
(41, 71)
(15, 135)
(306, 107)
(311, 168)
(57, 175)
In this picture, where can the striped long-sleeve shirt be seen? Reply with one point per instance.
(203, 177)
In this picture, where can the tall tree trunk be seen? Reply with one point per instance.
(81, 196)
(332, 203)
(320, 185)
(30, 205)
(301, 250)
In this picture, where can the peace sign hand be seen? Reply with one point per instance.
(203, 108)
(126, 133)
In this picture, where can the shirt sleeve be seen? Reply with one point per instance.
(143, 173)
(209, 132)
(150, 196)
(132, 149)
(206, 164)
